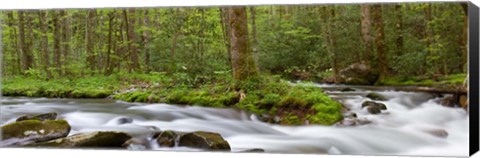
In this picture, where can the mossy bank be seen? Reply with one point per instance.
(271, 98)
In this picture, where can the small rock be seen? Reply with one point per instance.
(41, 117)
(376, 96)
(32, 131)
(89, 140)
(124, 120)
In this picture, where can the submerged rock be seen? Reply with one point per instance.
(437, 132)
(374, 107)
(376, 96)
(32, 131)
(93, 140)
(41, 117)
(198, 139)
(348, 89)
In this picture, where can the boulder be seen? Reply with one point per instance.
(40, 117)
(32, 131)
(376, 96)
(107, 139)
(358, 74)
(198, 139)
(374, 107)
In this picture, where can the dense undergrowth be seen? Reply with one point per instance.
(264, 95)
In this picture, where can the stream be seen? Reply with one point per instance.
(405, 128)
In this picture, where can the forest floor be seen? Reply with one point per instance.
(273, 99)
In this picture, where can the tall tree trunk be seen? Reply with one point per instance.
(380, 42)
(226, 32)
(399, 30)
(329, 38)
(27, 57)
(66, 33)
(242, 59)
(110, 44)
(42, 15)
(89, 43)
(57, 42)
(146, 40)
(129, 16)
(15, 50)
(366, 24)
(253, 13)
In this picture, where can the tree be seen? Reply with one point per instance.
(27, 56)
(399, 30)
(382, 63)
(242, 59)
(89, 40)
(44, 40)
(366, 24)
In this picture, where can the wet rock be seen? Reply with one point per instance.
(374, 107)
(167, 138)
(124, 120)
(358, 74)
(204, 140)
(448, 101)
(108, 139)
(374, 104)
(348, 89)
(32, 131)
(376, 96)
(438, 133)
(351, 115)
(354, 122)
(374, 110)
(199, 139)
(463, 101)
(41, 117)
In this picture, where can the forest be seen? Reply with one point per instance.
(270, 78)
(221, 56)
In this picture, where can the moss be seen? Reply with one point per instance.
(94, 139)
(19, 129)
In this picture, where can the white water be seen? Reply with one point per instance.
(400, 130)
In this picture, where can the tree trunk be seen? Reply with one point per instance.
(380, 42)
(146, 40)
(108, 67)
(27, 57)
(65, 39)
(89, 43)
(132, 45)
(254, 34)
(226, 32)
(42, 15)
(399, 30)
(366, 24)
(242, 59)
(56, 43)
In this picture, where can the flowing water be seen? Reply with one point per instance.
(410, 126)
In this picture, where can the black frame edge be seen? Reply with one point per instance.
(473, 15)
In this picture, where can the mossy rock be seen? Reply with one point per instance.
(35, 131)
(374, 104)
(374, 107)
(254, 150)
(107, 139)
(204, 140)
(198, 139)
(40, 117)
(376, 96)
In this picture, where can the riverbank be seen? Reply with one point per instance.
(270, 97)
